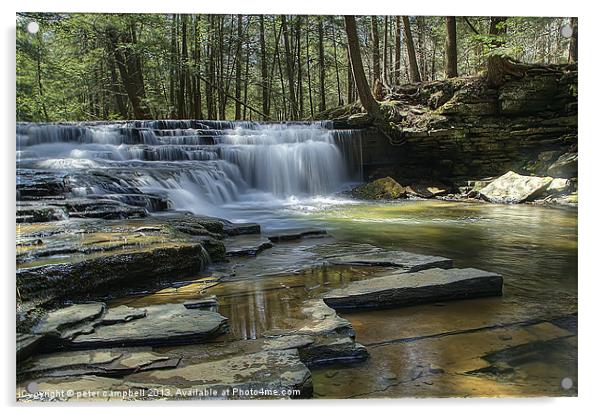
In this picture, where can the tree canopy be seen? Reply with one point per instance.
(251, 67)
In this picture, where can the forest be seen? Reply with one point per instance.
(254, 67)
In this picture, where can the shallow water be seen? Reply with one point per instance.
(533, 248)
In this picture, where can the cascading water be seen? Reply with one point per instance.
(197, 166)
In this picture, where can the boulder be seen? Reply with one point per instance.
(566, 166)
(380, 189)
(406, 289)
(559, 186)
(515, 188)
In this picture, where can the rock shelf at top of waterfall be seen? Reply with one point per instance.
(193, 165)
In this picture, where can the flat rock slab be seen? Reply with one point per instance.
(68, 317)
(242, 376)
(295, 235)
(246, 245)
(207, 302)
(109, 362)
(122, 314)
(163, 325)
(406, 289)
(407, 261)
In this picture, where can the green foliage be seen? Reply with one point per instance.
(67, 71)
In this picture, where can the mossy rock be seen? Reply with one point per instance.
(380, 189)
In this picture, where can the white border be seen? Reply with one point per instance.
(590, 150)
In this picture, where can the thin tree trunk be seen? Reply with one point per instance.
(366, 98)
(397, 50)
(308, 60)
(238, 64)
(385, 51)
(573, 43)
(451, 50)
(265, 90)
(414, 73)
(321, 66)
(336, 65)
(289, 69)
(375, 51)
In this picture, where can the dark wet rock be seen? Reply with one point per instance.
(333, 350)
(427, 190)
(33, 184)
(407, 261)
(246, 245)
(285, 342)
(163, 325)
(28, 344)
(267, 370)
(515, 188)
(207, 302)
(35, 212)
(380, 189)
(295, 235)
(566, 166)
(65, 320)
(98, 362)
(233, 229)
(46, 282)
(122, 314)
(42, 280)
(406, 289)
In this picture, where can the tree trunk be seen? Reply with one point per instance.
(366, 98)
(376, 73)
(498, 66)
(385, 50)
(451, 50)
(414, 73)
(321, 66)
(336, 64)
(265, 91)
(308, 61)
(573, 44)
(397, 50)
(183, 71)
(289, 69)
(130, 72)
(238, 70)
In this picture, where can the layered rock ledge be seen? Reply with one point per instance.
(406, 289)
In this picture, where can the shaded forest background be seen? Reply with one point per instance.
(252, 67)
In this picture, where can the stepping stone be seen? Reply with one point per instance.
(210, 301)
(298, 234)
(406, 289)
(246, 245)
(163, 325)
(407, 261)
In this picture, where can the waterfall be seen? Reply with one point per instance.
(197, 165)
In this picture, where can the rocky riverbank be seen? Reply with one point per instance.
(457, 135)
(509, 188)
